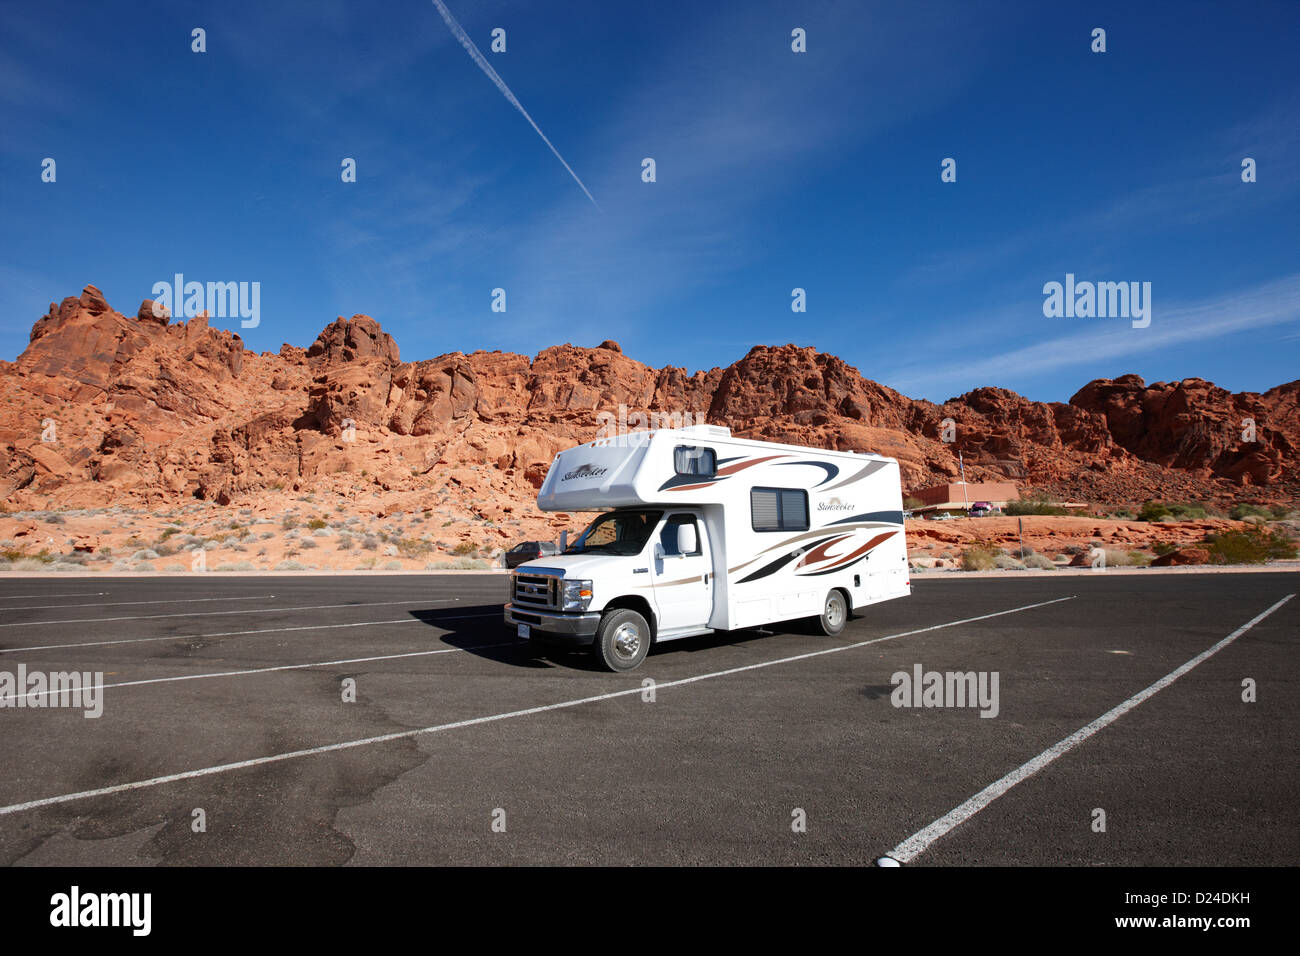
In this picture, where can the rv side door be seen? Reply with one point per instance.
(683, 579)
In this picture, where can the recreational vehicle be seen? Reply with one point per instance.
(700, 532)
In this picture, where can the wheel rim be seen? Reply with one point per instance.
(627, 642)
(834, 611)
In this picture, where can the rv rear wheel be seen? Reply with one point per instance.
(834, 614)
(622, 641)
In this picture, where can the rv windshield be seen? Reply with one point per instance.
(617, 532)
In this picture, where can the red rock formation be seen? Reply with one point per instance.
(149, 409)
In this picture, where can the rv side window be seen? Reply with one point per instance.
(778, 509)
(690, 460)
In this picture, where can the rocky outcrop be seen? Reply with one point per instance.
(148, 408)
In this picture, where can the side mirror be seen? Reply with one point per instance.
(686, 539)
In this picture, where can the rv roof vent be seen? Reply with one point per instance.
(709, 431)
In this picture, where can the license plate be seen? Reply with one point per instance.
(524, 631)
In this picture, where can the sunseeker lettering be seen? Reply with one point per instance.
(585, 471)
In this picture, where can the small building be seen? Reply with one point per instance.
(957, 497)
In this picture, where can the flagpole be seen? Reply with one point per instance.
(965, 500)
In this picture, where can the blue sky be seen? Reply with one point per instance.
(775, 170)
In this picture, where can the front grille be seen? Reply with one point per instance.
(537, 590)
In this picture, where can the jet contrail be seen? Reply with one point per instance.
(486, 67)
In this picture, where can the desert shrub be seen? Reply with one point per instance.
(1039, 563)
(266, 534)
(145, 555)
(978, 558)
(288, 522)
(315, 524)
(412, 547)
(307, 544)
(1241, 511)
(466, 548)
(174, 567)
(1164, 547)
(1007, 563)
(458, 564)
(1116, 558)
(235, 566)
(1253, 545)
(288, 565)
(393, 566)
(30, 564)
(1153, 511)
(1190, 511)
(1037, 504)
(54, 519)
(346, 543)
(370, 542)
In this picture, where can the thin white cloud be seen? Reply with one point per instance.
(459, 33)
(1270, 304)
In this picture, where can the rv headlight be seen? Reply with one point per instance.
(576, 596)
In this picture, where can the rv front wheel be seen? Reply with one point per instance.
(834, 614)
(623, 640)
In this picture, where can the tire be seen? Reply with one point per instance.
(622, 641)
(835, 614)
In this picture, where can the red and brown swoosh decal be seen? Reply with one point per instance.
(684, 482)
(852, 556)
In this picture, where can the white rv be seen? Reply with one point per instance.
(704, 532)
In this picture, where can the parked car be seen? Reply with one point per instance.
(529, 551)
(979, 509)
(941, 516)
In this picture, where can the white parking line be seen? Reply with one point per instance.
(288, 667)
(15, 597)
(263, 610)
(199, 637)
(492, 718)
(919, 842)
(46, 607)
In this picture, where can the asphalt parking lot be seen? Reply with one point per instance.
(225, 695)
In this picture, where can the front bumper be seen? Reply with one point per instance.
(553, 626)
